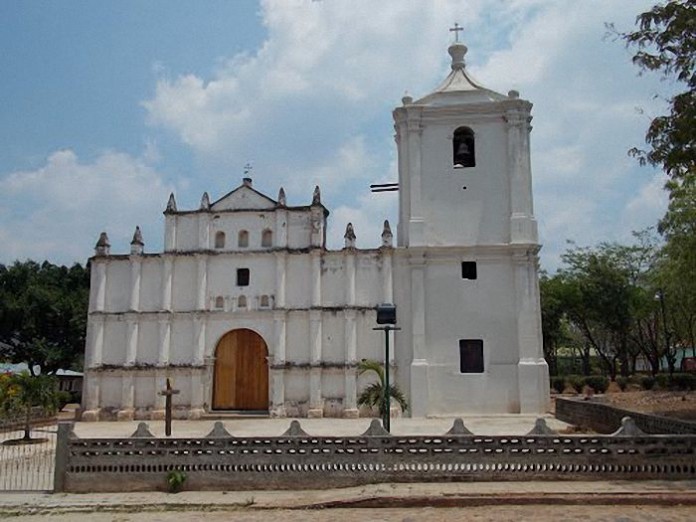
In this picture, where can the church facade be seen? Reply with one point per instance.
(246, 309)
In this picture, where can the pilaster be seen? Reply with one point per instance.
(98, 302)
(167, 276)
(316, 401)
(281, 263)
(132, 342)
(127, 398)
(163, 348)
(201, 281)
(91, 396)
(350, 345)
(135, 273)
(199, 329)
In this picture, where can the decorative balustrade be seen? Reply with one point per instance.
(297, 460)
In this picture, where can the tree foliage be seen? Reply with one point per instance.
(665, 42)
(43, 315)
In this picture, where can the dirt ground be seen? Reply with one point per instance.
(680, 405)
(477, 513)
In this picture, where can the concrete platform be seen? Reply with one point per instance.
(260, 427)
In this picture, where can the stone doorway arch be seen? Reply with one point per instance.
(240, 375)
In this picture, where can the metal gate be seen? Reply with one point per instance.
(27, 465)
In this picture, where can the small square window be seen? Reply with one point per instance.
(469, 270)
(242, 277)
(471, 356)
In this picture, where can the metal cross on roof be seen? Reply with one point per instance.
(247, 168)
(456, 30)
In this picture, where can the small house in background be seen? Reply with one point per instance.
(68, 380)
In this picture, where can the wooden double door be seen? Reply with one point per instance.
(241, 372)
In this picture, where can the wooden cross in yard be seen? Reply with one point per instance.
(167, 393)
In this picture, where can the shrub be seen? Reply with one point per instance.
(175, 480)
(598, 383)
(683, 381)
(558, 384)
(577, 382)
(64, 397)
(662, 381)
(622, 382)
(647, 382)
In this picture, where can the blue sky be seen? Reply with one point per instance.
(109, 106)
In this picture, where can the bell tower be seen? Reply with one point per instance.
(469, 247)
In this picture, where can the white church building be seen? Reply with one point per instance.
(247, 310)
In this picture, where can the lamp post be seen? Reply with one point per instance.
(386, 315)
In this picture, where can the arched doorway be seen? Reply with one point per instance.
(241, 372)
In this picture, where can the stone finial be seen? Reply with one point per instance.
(103, 247)
(458, 428)
(541, 428)
(218, 432)
(247, 182)
(387, 236)
(171, 204)
(349, 236)
(316, 196)
(142, 431)
(457, 51)
(628, 429)
(137, 244)
(295, 430)
(205, 202)
(376, 430)
(281, 197)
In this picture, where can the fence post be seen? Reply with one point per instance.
(65, 432)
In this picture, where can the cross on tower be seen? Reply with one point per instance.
(247, 168)
(456, 30)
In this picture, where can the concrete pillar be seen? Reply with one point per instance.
(316, 277)
(127, 398)
(387, 281)
(91, 396)
(532, 374)
(419, 365)
(204, 231)
(350, 278)
(131, 342)
(199, 328)
(316, 402)
(167, 276)
(196, 410)
(99, 287)
(169, 233)
(350, 406)
(281, 263)
(416, 234)
(278, 393)
(523, 226)
(201, 282)
(281, 229)
(97, 342)
(135, 272)
(163, 347)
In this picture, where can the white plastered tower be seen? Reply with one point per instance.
(466, 282)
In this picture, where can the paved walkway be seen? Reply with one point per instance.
(393, 496)
(480, 425)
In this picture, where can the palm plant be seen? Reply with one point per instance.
(373, 394)
(26, 392)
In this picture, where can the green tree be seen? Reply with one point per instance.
(373, 394)
(553, 318)
(43, 315)
(24, 392)
(665, 42)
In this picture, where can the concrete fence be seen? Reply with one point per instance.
(297, 460)
(605, 418)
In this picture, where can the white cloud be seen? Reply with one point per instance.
(58, 210)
